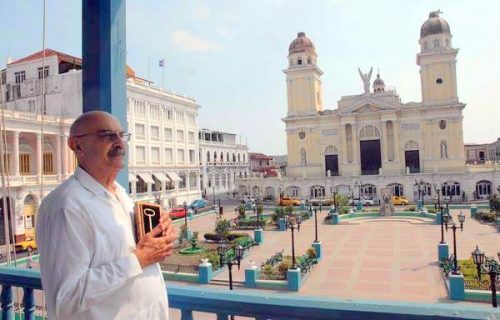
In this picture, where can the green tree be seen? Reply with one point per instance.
(222, 228)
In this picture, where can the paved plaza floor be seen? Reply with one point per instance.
(370, 259)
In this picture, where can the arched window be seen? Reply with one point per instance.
(450, 188)
(227, 157)
(303, 157)
(30, 199)
(368, 191)
(244, 158)
(208, 156)
(25, 152)
(317, 192)
(425, 45)
(234, 157)
(436, 43)
(239, 159)
(444, 149)
(299, 60)
(308, 60)
(221, 157)
(396, 189)
(331, 150)
(483, 189)
(292, 191)
(215, 156)
(369, 132)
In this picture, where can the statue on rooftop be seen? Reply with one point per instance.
(366, 79)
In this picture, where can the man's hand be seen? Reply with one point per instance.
(158, 244)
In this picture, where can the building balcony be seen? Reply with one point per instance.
(32, 180)
(252, 303)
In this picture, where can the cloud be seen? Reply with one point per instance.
(192, 43)
(200, 11)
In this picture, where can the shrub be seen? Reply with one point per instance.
(431, 210)
(182, 234)
(222, 228)
(213, 258)
(288, 210)
(283, 267)
(278, 214)
(211, 236)
(411, 208)
(242, 212)
(495, 203)
(311, 253)
(268, 271)
(486, 216)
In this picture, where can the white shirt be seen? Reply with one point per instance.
(88, 268)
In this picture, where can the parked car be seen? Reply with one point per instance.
(287, 201)
(198, 204)
(321, 201)
(249, 204)
(26, 245)
(176, 213)
(400, 200)
(364, 201)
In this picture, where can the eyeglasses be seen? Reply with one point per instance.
(111, 136)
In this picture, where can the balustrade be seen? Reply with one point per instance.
(255, 304)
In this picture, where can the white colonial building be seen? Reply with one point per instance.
(222, 160)
(163, 156)
(163, 151)
(374, 140)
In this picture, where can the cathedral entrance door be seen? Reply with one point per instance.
(371, 159)
(412, 161)
(332, 164)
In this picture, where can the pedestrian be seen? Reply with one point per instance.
(91, 266)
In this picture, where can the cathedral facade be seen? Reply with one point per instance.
(374, 140)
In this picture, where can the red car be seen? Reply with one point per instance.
(177, 213)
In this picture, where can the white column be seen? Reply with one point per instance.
(59, 155)
(383, 142)
(38, 155)
(65, 155)
(15, 158)
(396, 131)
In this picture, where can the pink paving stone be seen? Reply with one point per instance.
(377, 264)
(363, 286)
(374, 275)
(419, 290)
(410, 253)
(335, 285)
(380, 253)
(343, 263)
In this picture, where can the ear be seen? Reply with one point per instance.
(75, 146)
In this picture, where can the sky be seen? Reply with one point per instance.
(229, 54)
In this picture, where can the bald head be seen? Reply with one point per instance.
(89, 119)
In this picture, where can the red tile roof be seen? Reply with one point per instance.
(48, 53)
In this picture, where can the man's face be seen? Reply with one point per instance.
(102, 147)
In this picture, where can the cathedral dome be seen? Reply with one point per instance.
(378, 84)
(301, 44)
(434, 25)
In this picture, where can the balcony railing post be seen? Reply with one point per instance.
(186, 314)
(29, 304)
(7, 303)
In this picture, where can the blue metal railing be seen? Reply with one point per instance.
(259, 305)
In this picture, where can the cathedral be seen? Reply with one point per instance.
(374, 140)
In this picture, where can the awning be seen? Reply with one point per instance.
(132, 177)
(173, 176)
(161, 176)
(146, 177)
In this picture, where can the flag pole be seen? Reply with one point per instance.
(163, 74)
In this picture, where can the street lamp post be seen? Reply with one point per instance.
(489, 267)
(316, 225)
(213, 188)
(230, 260)
(185, 215)
(461, 219)
(335, 192)
(439, 207)
(294, 223)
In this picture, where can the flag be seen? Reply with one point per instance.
(161, 63)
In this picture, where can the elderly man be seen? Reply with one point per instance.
(90, 264)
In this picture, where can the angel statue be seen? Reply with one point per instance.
(366, 79)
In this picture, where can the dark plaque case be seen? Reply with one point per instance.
(147, 217)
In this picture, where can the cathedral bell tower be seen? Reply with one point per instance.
(303, 78)
(437, 61)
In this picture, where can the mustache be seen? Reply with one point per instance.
(118, 151)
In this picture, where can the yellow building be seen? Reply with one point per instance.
(373, 139)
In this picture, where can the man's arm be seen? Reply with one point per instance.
(67, 249)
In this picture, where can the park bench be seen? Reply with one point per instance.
(305, 263)
(275, 258)
(447, 265)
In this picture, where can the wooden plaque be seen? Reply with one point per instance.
(147, 217)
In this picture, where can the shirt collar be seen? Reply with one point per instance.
(88, 182)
